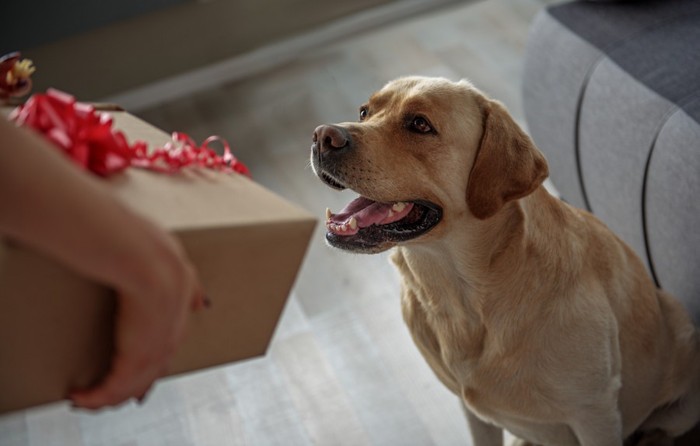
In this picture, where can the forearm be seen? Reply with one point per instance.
(50, 204)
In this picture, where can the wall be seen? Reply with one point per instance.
(99, 62)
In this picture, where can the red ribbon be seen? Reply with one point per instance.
(88, 138)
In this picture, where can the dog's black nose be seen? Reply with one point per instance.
(331, 137)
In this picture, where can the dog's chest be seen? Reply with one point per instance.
(447, 325)
(460, 354)
(448, 335)
(475, 363)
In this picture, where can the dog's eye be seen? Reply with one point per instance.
(364, 112)
(421, 125)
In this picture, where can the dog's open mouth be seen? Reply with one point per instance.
(371, 226)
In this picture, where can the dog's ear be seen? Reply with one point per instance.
(508, 166)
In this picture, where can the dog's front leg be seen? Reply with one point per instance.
(598, 426)
(483, 433)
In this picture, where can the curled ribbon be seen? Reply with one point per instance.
(88, 138)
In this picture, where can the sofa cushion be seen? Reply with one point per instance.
(552, 82)
(672, 206)
(611, 96)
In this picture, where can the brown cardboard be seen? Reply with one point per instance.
(246, 242)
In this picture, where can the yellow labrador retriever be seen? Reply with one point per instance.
(540, 319)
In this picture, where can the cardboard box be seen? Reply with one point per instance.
(246, 242)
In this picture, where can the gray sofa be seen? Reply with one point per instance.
(612, 97)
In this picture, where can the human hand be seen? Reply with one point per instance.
(85, 227)
(150, 324)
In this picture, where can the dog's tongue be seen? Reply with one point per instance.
(363, 212)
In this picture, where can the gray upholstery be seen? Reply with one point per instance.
(551, 94)
(612, 97)
(618, 122)
(673, 206)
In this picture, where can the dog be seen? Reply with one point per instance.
(537, 316)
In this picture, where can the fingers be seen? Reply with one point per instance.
(150, 324)
(145, 339)
(126, 380)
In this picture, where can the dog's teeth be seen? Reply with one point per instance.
(353, 223)
(328, 214)
(343, 227)
(398, 207)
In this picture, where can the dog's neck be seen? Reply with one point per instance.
(466, 259)
(458, 292)
(483, 262)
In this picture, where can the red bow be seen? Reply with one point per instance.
(88, 138)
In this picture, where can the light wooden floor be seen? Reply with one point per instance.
(342, 369)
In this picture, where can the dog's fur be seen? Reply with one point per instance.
(533, 312)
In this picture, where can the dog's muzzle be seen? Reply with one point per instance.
(330, 143)
(365, 225)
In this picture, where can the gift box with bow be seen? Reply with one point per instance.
(246, 242)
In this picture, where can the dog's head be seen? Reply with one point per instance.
(425, 154)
